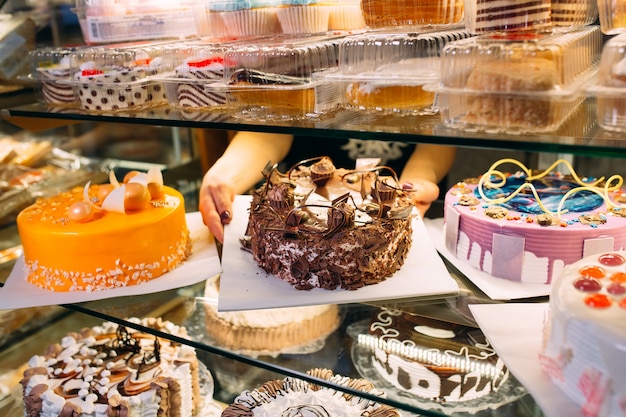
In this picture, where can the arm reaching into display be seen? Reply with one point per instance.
(426, 167)
(238, 169)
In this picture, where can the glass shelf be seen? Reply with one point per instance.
(579, 135)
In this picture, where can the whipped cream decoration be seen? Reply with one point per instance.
(108, 370)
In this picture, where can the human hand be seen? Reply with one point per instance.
(216, 203)
(423, 194)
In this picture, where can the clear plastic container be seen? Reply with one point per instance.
(392, 14)
(573, 13)
(48, 66)
(106, 21)
(234, 19)
(498, 84)
(386, 72)
(113, 79)
(507, 15)
(609, 87)
(190, 69)
(275, 79)
(612, 16)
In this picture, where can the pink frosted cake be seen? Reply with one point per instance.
(526, 226)
(585, 335)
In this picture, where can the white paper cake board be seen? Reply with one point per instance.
(203, 263)
(244, 285)
(515, 330)
(494, 288)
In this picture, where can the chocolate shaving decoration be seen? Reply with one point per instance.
(296, 217)
(124, 341)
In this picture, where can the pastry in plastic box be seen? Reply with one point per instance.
(275, 79)
(48, 66)
(612, 15)
(386, 72)
(345, 15)
(483, 16)
(245, 18)
(380, 14)
(573, 13)
(507, 84)
(303, 16)
(105, 21)
(192, 70)
(109, 80)
(610, 85)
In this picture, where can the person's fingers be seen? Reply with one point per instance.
(223, 197)
(210, 216)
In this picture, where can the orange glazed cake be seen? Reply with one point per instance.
(105, 236)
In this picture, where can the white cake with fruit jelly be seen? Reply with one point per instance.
(584, 348)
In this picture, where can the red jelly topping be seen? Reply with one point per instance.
(592, 271)
(611, 259)
(598, 301)
(587, 285)
(619, 277)
(616, 289)
(88, 72)
(205, 62)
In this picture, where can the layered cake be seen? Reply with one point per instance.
(118, 87)
(105, 236)
(525, 225)
(321, 227)
(276, 78)
(430, 359)
(530, 75)
(112, 370)
(53, 92)
(573, 12)
(295, 397)
(508, 15)
(585, 334)
(269, 331)
(196, 93)
(393, 13)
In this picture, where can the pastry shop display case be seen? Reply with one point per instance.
(348, 350)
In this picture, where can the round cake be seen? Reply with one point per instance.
(112, 370)
(321, 227)
(585, 334)
(105, 236)
(269, 331)
(526, 226)
(295, 397)
(430, 359)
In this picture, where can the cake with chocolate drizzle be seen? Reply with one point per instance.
(112, 370)
(295, 397)
(317, 226)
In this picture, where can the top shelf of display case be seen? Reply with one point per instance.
(578, 135)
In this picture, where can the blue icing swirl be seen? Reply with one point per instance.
(233, 5)
(549, 190)
(300, 2)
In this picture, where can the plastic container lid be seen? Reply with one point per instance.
(49, 65)
(563, 57)
(516, 83)
(612, 16)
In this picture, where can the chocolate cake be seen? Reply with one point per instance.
(440, 361)
(321, 227)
